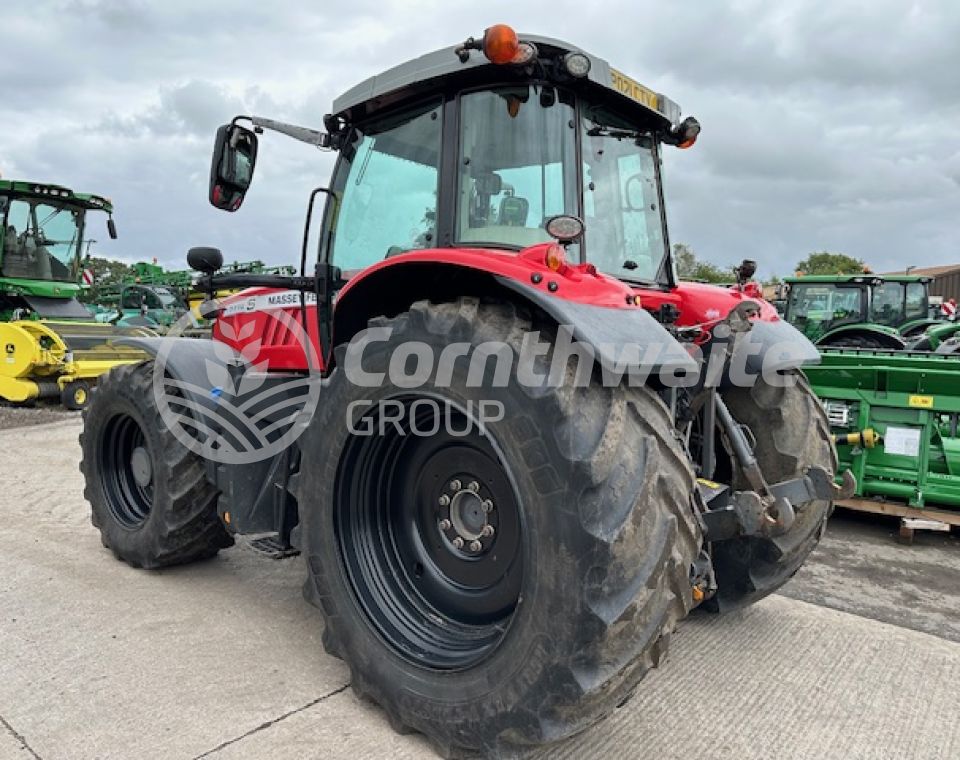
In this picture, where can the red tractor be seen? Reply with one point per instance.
(529, 451)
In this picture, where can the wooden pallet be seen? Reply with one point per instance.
(911, 518)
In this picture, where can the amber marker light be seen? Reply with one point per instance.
(500, 44)
(555, 258)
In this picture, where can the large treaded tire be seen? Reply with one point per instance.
(864, 342)
(609, 535)
(792, 434)
(181, 524)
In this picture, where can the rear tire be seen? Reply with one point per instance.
(149, 494)
(792, 435)
(594, 546)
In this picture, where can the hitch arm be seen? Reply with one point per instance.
(769, 511)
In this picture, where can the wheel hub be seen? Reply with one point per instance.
(141, 467)
(127, 471)
(464, 517)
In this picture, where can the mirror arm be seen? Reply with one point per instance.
(303, 134)
(252, 279)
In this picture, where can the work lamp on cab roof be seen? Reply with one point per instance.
(564, 227)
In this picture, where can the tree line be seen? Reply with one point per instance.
(689, 267)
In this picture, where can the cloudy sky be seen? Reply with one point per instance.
(826, 124)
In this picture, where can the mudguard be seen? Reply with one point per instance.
(776, 346)
(184, 360)
(610, 331)
(249, 491)
(887, 336)
(918, 327)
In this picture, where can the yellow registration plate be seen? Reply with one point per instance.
(634, 90)
(921, 402)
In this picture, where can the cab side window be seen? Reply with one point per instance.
(387, 182)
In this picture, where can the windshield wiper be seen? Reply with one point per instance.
(601, 130)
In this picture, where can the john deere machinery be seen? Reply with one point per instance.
(51, 345)
(156, 298)
(863, 310)
(895, 416)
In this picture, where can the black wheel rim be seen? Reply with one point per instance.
(127, 471)
(429, 534)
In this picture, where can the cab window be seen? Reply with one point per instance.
(387, 183)
(517, 165)
(887, 308)
(40, 240)
(624, 227)
(917, 306)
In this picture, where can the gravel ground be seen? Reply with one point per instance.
(861, 568)
(25, 416)
(223, 659)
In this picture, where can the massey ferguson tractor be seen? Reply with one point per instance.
(529, 452)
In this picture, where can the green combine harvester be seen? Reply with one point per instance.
(863, 310)
(52, 346)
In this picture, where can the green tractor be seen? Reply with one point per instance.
(139, 304)
(52, 345)
(860, 311)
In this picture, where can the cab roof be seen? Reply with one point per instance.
(433, 71)
(826, 279)
(23, 188)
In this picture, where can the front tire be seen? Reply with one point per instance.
(149, 494)
(792, 434)
(75, 395)
(550, 622)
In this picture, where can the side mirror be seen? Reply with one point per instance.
(204, 260)
(231, 169)
(111, 228)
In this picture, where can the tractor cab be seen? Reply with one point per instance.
(479, 147)
(42, 247)
(863, 310)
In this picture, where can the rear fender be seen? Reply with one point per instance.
(917, 327)
(184, 360)
(887, 337)
(593, 305)
(775, 347)
(254, 494)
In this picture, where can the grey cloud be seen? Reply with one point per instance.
(826, 124)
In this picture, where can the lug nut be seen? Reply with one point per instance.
(444, 500)
(487, 505)
(458, 543)
(445, 524)
(474, 486)
(475, 546)
(487, 531)
(455, 485)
